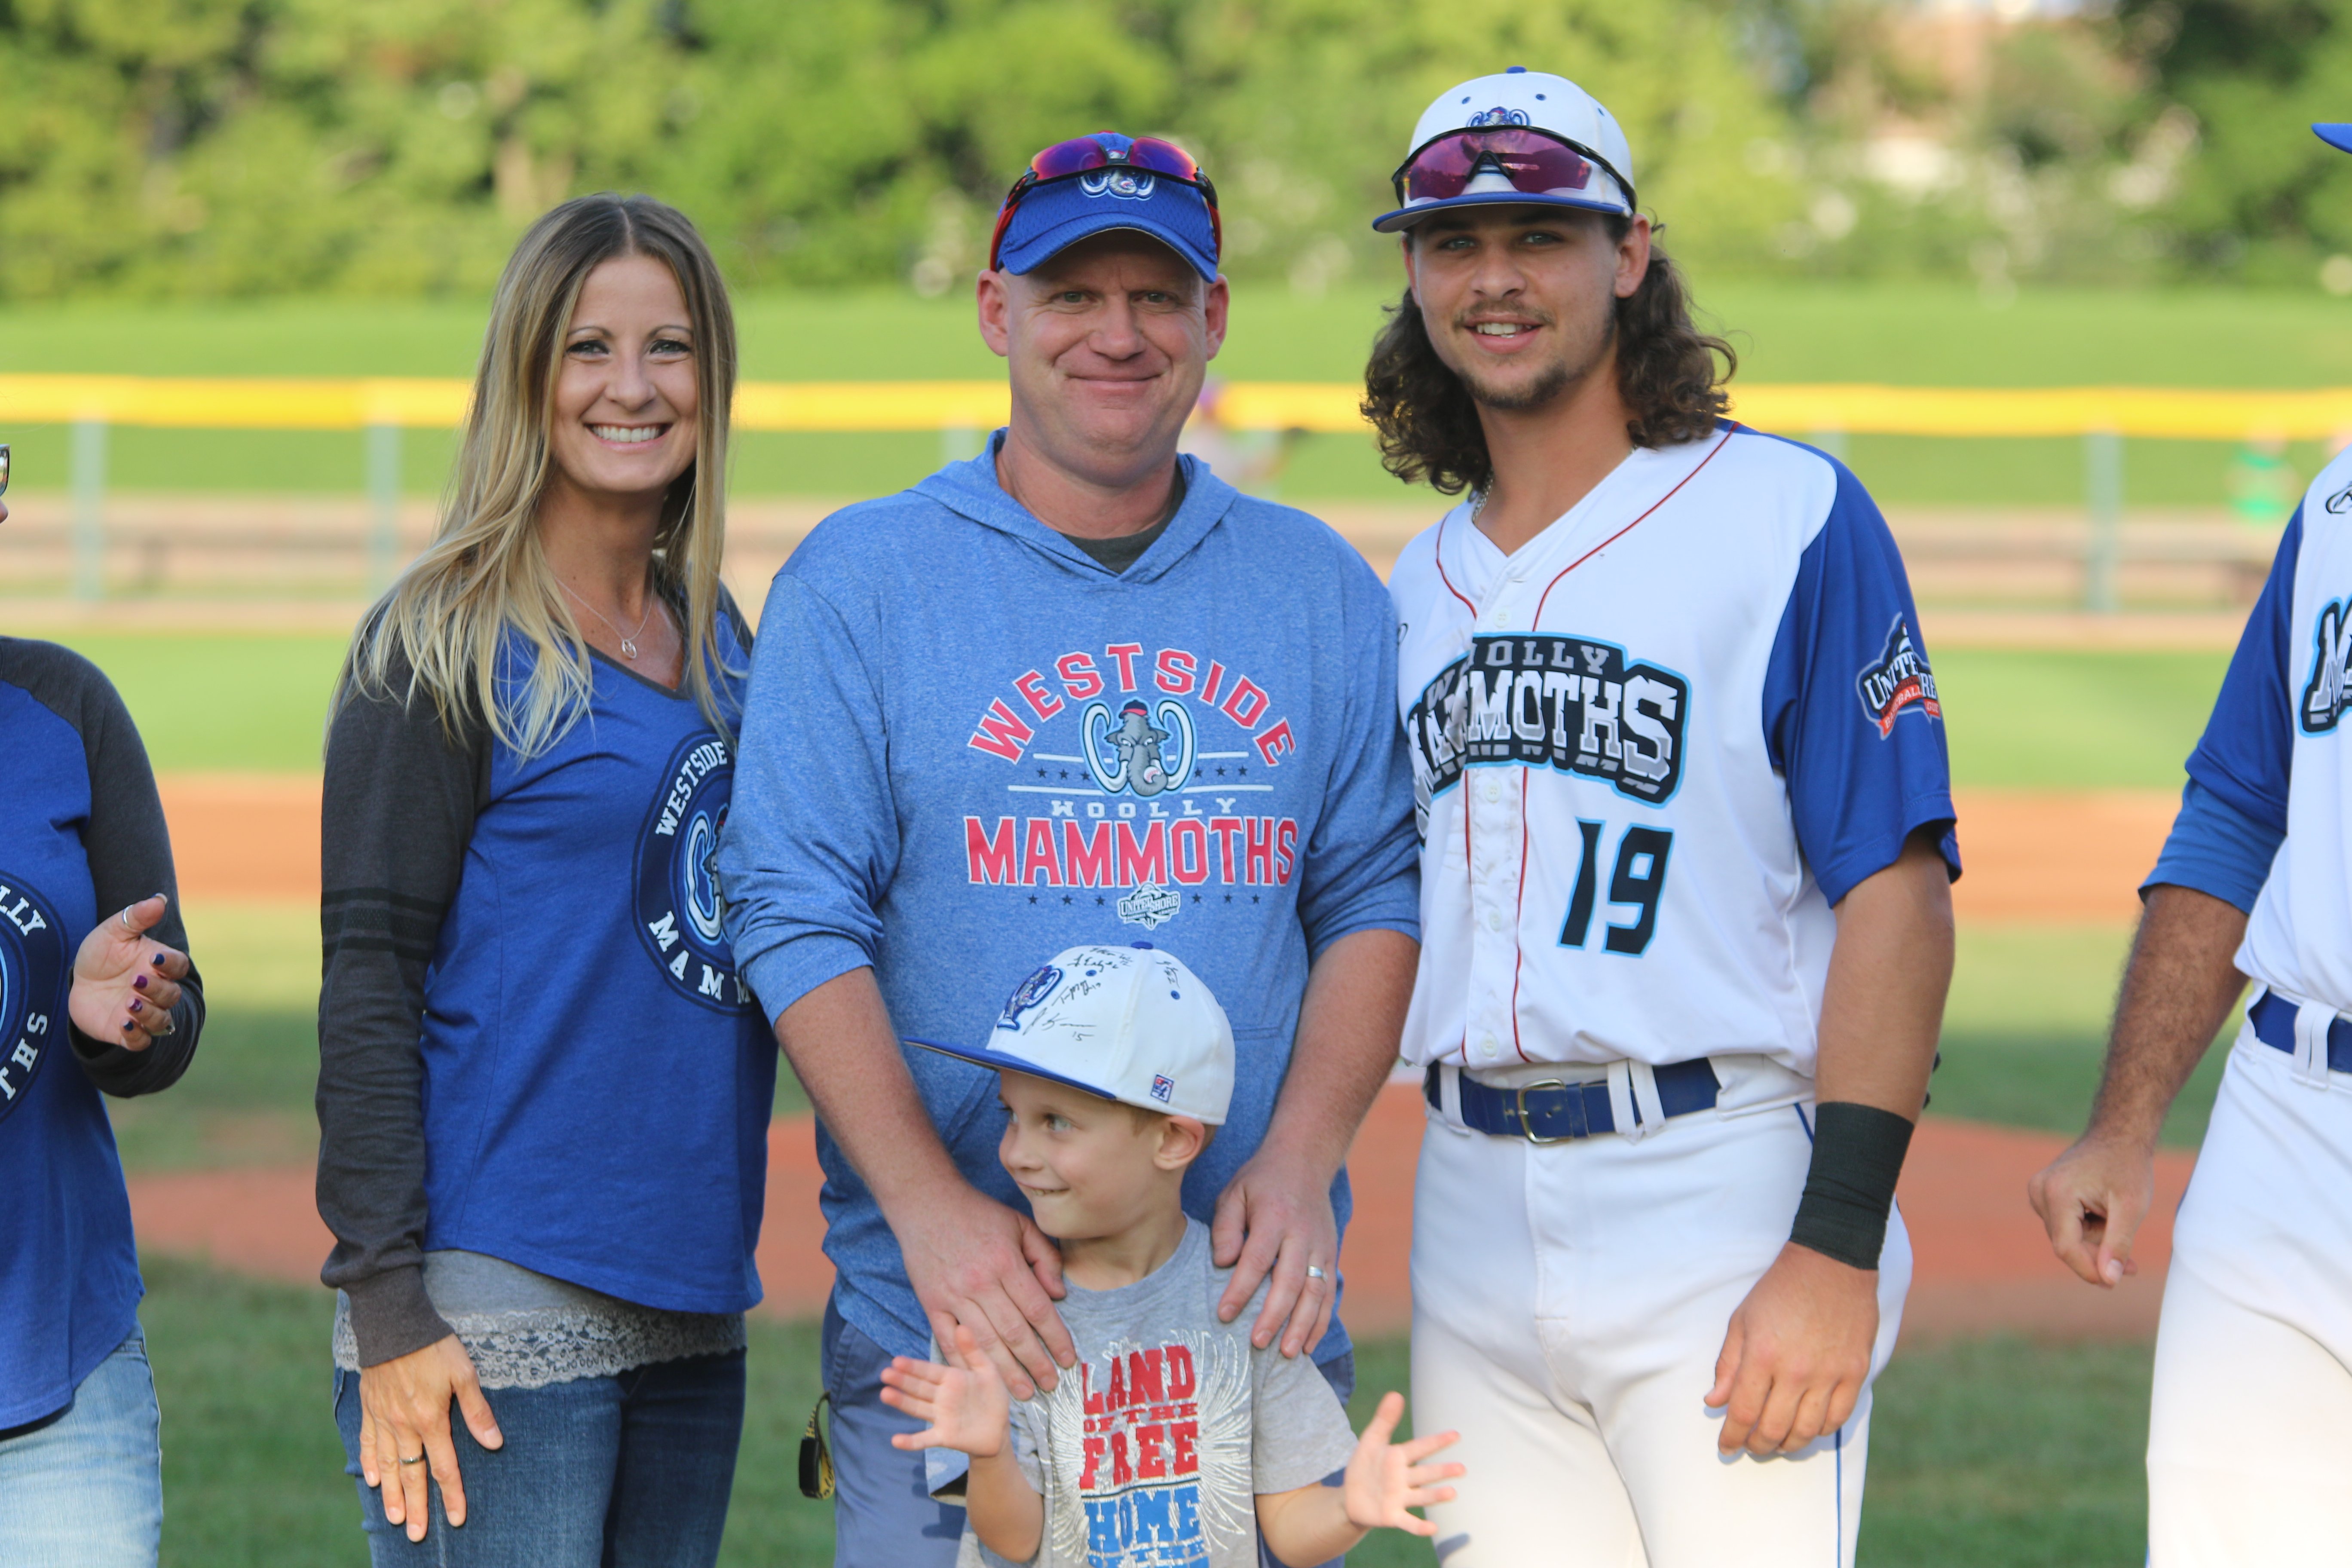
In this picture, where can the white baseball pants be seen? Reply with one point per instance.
(2250, 1431)
(1570, 1302)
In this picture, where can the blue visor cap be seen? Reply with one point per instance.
(1057, 214)
(2337, 135)
(1005, 1061)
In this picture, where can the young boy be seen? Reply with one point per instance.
(1173, 1437)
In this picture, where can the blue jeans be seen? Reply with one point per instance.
(883, 1513)
(631, 1472)
(84, 1487)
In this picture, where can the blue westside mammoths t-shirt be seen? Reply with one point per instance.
(969, 745)
(567, 1072)
(81, 833)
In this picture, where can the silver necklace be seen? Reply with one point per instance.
(628, 639)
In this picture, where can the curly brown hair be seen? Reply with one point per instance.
(1666, 371)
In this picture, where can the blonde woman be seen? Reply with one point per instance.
(543, 1097)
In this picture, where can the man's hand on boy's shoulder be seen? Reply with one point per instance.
(1273, 1224)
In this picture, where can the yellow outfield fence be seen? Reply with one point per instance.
(289, 403)
(384, 406)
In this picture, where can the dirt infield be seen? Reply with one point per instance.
(1981, 1262)
(2031, 856)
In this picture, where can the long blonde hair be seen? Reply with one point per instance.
(484, 576)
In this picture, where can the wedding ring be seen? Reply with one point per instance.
(419, 1460)
(125, 918)
(1313, 1272)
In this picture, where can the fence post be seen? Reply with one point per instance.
(384, 504)
(89, 509)
(2102, 485)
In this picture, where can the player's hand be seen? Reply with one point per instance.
(1797, 1355)
(405, 1413)
(1275, 1217)
(2092, 1199)
(976, 1263)
(1385, 1478)
(965, 1402)
(125, 984)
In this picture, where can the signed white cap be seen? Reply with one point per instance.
(1131, 1023)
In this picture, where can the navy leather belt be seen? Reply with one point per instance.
(2273, 1021)
(1553, 1111)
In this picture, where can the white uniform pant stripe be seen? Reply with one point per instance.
(2250, 1430)
(1569, 1303)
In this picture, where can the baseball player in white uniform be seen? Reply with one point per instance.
(1687, 850)
(2250, 1433)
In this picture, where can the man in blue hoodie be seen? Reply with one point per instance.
(1078, 689)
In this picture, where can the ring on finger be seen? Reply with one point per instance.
(419, 1460)
(125, 918)
(1314, 1271)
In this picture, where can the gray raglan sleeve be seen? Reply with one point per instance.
(129, 849)
(401, 797)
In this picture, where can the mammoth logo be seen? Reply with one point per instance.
(1125, 183)
(1498, 115)
(1130, 753)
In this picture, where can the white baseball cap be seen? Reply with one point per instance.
(1534, 101)
(1130, 1023)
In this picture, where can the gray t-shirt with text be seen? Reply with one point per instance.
(1153, 1450)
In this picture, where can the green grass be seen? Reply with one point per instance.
(1999, 1451)
(2011, 1453)
(222, 703)
(2026, 1029)
(1918, 335)
(1921, 334)
(2040, 720)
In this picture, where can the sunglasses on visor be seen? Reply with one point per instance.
(1537, 164)
(1092, 154)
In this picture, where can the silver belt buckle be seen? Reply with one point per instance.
(1526, 1128)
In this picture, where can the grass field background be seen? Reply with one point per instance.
(1913, 334)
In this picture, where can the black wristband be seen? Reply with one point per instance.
(1857, 1154)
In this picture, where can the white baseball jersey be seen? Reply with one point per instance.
(2274, 750)
(1652, 749)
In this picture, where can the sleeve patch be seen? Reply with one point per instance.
(1898, 679)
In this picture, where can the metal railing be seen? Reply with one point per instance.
(383, 407)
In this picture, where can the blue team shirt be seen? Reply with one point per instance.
(69, 1284)
(597, 1084)
(968, 747)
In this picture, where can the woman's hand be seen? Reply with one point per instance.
(125, 984)
(404, 1428)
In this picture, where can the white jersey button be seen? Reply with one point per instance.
(1487, 1048)
(1493, 787)
(1494, 920)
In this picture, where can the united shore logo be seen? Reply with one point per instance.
(1574, 705)
(1898, 679)
(33, 970)
(681, 912)
(1139, 813)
